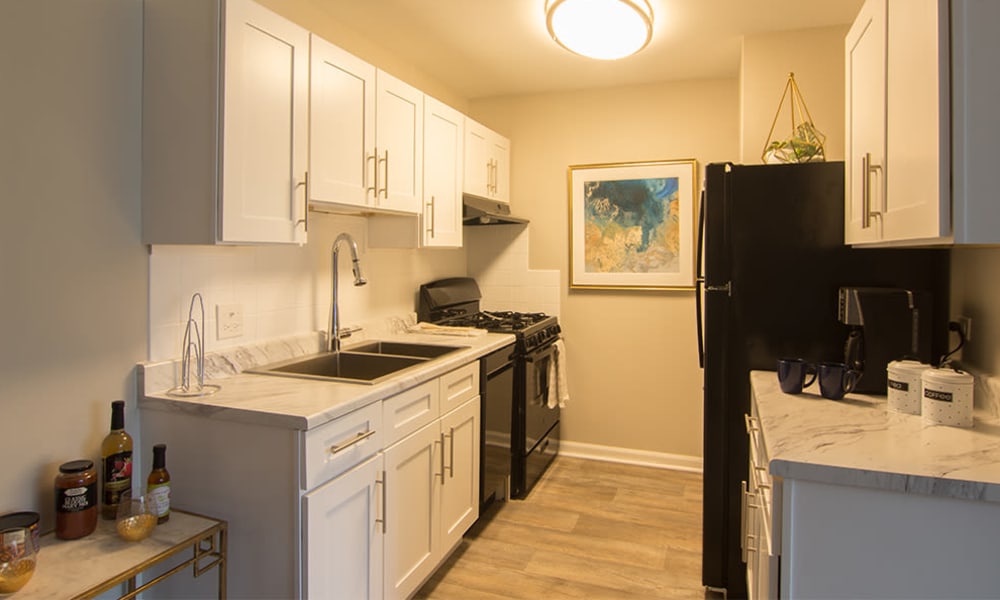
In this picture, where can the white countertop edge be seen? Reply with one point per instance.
(304, 404)
(858, 442)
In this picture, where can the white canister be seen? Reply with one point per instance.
(903, 385)
(946, 397)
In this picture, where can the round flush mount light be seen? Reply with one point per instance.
(602, 29)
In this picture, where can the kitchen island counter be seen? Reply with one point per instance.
(857, 441)
(292, 402)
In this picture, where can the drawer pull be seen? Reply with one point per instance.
(360, 437)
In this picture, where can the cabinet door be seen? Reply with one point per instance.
(460, 493)
(413, 475)
(864, 63)
(399, 131)
(500, 153)
(342, 126)
(917, 121)
(265, 126)
(342, 535)
(444, 129)
(478, 163)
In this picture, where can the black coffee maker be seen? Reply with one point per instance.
(886, 324)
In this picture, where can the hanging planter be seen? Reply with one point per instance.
(805, 143)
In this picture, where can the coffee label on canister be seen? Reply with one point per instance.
(898, 385)
(936, 395)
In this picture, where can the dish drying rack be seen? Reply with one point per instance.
(194, 348)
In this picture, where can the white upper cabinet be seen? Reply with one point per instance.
(911, 176)
(487, 163)
(366, 134)
(399, 133)
(342, 126)
(864, 61)
(444, 129)
(225, 124)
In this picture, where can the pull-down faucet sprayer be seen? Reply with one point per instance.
(333, 339)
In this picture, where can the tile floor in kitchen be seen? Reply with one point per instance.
(593, 530)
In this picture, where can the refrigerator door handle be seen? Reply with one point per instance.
(699, 280)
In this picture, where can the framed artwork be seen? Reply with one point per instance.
(632, 225)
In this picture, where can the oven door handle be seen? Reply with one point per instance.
(537, 355)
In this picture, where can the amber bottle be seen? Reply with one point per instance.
(158, 484)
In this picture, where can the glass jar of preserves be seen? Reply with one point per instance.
(76, 499)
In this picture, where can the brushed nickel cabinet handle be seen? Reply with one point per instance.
(385, 178)
(451, 467)
(371, 158)
(357, 439)
(430, 220)
(381, 482)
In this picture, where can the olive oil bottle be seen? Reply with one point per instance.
(116, 462)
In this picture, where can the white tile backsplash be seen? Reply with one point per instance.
(498, 260)
(285, 290)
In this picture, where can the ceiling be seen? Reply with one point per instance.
(486, 48)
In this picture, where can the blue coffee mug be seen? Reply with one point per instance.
(836, 380)
(792, 374)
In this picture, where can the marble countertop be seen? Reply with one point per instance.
(857, 441)
(292, 402)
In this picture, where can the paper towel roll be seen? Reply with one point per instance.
(903, 385)
(946, 397)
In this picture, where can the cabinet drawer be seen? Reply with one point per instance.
(408, 411)
(459, 386)
(339, 445)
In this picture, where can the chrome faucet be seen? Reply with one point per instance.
(333, 339)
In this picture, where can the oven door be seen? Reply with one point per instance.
(538, 417)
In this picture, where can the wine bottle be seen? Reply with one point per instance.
(158, 484)
(116, 462)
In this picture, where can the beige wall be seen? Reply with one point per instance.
(634, 376)
(73, 278)
(816, 56)
(975, 288)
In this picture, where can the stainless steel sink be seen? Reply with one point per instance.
(405, 349)
(341, 366)
(367, 363)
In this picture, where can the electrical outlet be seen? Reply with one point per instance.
(966, 324)
(229, 320)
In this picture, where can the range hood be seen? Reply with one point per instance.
(482, 211)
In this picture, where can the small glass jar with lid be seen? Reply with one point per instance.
(76, 499)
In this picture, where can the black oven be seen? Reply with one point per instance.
(537, 440)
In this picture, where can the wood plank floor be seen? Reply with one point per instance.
(588, 530)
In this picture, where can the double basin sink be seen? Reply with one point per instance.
(368, 363)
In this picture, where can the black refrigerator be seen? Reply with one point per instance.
(771, 259)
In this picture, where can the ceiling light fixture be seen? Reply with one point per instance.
(602, 29)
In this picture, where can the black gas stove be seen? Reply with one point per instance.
(514, 386)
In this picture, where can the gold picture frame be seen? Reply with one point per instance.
(632, 225)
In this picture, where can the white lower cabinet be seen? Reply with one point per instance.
(432, 497)
(363, 507)
(342, 535)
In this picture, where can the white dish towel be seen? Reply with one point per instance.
(558, 388)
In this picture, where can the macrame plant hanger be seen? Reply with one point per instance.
(805, 143)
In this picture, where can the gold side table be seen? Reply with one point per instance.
(92, 565)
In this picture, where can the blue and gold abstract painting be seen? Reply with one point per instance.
(632, 226)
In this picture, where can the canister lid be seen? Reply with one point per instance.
(76, 466)
(909, 367)
(946, 377)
